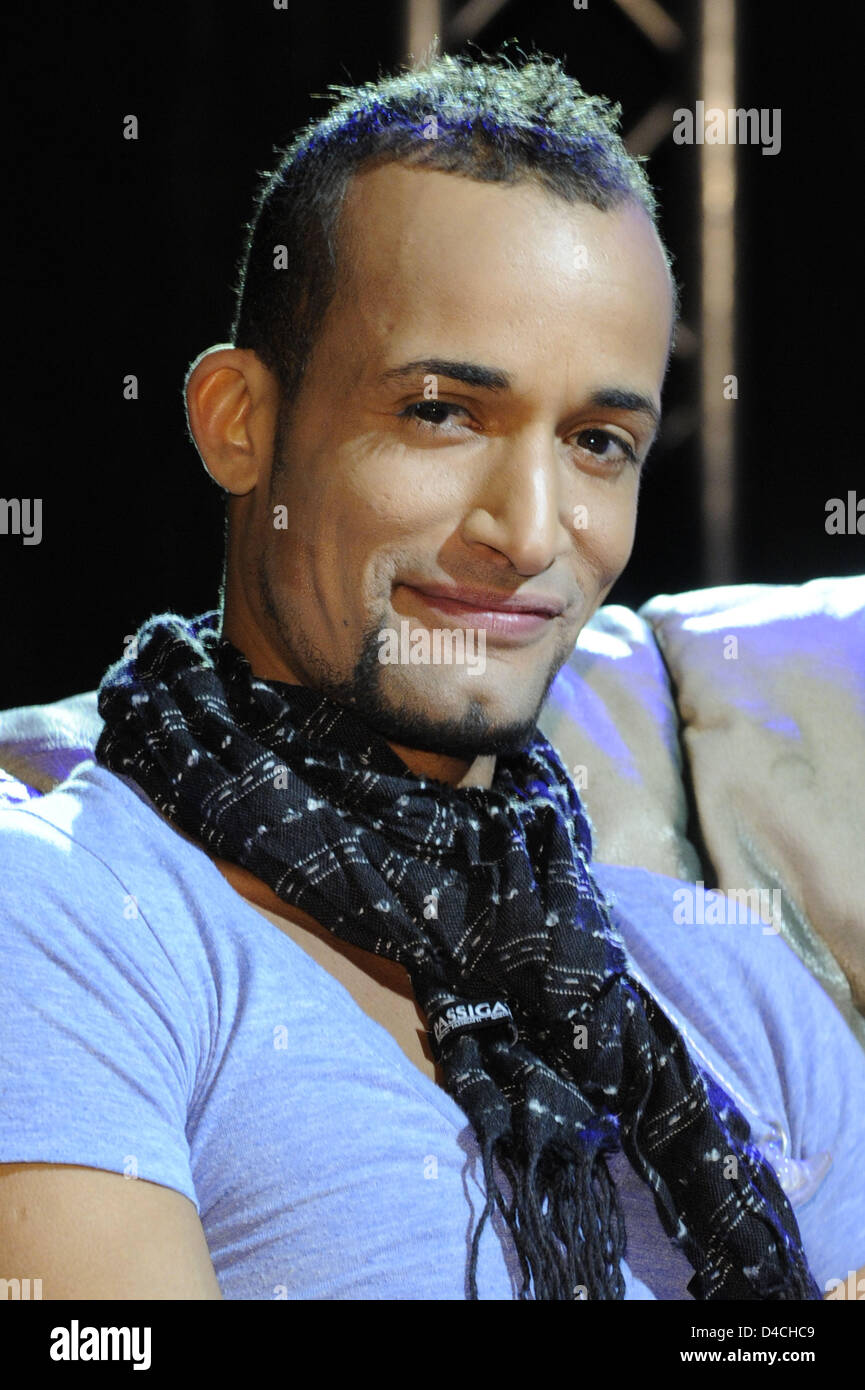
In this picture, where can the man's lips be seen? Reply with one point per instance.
(517, 616)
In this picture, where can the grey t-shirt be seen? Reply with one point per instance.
(155, 1024)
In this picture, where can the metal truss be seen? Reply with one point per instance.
(428, 28)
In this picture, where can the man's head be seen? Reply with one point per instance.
(454, 322)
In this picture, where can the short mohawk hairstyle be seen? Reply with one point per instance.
(486, 118)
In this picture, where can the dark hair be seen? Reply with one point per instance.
(486, 118)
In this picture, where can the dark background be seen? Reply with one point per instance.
(121, 256)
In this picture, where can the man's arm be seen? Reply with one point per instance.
(92, 1234)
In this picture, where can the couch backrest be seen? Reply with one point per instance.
(717, 735)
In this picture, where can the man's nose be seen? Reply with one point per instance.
(517, 506)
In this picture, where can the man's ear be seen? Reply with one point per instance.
(232, 401)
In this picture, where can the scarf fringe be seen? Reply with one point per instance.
(565, 1221)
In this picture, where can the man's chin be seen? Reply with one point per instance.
(444, 719)
(474, 734)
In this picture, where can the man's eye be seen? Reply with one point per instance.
(430, 416)
(599, 442)
(436, 413)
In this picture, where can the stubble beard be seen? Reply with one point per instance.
(470, 735)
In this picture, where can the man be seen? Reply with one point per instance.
(315, 939)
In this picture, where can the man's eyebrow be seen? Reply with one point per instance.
(613, 398)
(472, 373)
(497, 379)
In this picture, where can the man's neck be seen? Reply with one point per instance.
(458, 772)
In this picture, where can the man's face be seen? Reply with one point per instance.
(488, 487)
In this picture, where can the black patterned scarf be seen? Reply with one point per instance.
(554, 1051)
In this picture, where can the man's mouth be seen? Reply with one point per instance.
(507, 617)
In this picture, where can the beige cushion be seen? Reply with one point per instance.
(41, 744)
(770, 684)
(610, 714)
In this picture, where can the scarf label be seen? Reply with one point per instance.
(476, 1015)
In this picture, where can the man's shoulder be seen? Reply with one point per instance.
(94, 847)
(92, 808)
(97, 907)
(93, 867)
